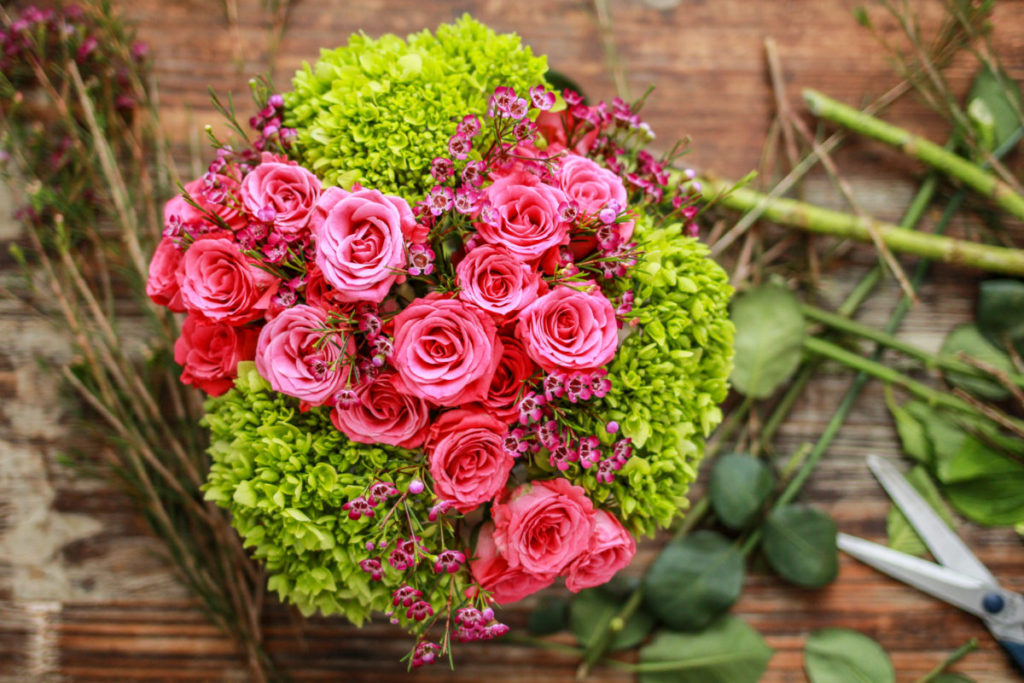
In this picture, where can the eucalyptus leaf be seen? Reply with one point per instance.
(994, 102)
(728, 651)
(739, 486)
(549, 616)
(1000, 311)
(770, 332)
(839, 655)
(800, 545)
(902, 535)
(969, 340)
(694, 580)
(593, 609)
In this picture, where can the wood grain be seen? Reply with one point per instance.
(85, 594)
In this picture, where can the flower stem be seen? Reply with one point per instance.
(608, 633)
(919, 148)
(812, 218)
(958, 654)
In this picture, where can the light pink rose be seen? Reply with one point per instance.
(209, 352)
(287, 189)
(445, 350)
(514, 369)
(611, 549)
(224, 285)
(360, 241)
(527, 215)
(383, 415)
(491, 571)
(569, 329)
(496, 281)
(163, 285)
(468, 462)
(543, 526)
(593, 188)
(293, 357)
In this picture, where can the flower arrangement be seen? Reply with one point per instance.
(458, 333)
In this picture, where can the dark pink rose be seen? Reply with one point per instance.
(209, 352)
(491, 571)
(360, 241)
(593, 188)
(224, 285)
(569, 329)
(552, 126)
(611, 549)
(445, 350)
(527, 221)
(496, 281)
(383, 415)
(543, 526)
(163, 285)
(468, 463)
(320, 294)
(286, 191)
(293, 356)
(203, 191)
(509, 380)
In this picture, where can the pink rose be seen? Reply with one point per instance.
(209, 352)
(468, 462)
(527, 222)
(491, 571)
(593, 188)
(294, 358)
(611, 549)
(222, 284)
(383, 415)
(320, 294)
(543, 526)
(203, 191)
(163, 285)
(552, 126)
(514, 368)
(360, 241)
(569, 329)
(445, 350)
(286, 190)
(496, 281)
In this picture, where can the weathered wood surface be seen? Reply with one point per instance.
(84, 593)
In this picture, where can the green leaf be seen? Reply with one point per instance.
(694, 580)
(1000, 311)
(949, 677)
(244, 495)
(839, 655)
(593, 609)
(770, 332)
(739, 486)
(728, 651)
(800, 544)
(998, 96)
(969, 340)
(902, 535)
(910, 428)
(549, 616)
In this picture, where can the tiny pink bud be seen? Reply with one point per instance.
(416, 487)
(612, 427)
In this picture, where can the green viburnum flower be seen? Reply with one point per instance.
(377, 112)
(668, 378)
(285, 476)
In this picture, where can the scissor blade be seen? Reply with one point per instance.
(947, 547)
(957, 589)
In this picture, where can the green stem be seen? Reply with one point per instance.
(931, 360)
(958, 654)
(608, 633)
(812, 218)
(919, 148)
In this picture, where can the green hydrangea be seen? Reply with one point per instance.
(284, 475)
(379, 111)
(667, 380)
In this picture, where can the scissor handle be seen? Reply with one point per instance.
(1016, 652)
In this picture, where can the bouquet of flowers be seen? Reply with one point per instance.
(458, 333)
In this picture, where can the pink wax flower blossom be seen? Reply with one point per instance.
(445, 351)
(496, 281)
(383, 414)
(209, 352)
(289, 190)
(219, 282)
(360, 241)
(467, 459)
(569, 329)
(294, 358)
(527, 221)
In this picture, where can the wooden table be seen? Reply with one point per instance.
(84, 594)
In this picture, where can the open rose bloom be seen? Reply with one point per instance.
(461, 351)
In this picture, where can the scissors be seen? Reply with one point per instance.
(961, 580)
